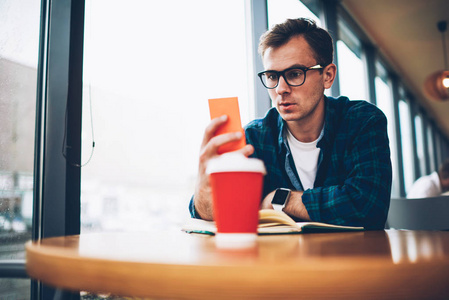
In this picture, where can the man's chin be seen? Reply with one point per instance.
(289, 115)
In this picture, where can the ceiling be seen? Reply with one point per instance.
(408, 38)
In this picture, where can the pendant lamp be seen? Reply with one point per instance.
(437, 83)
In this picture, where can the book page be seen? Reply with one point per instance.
(271, 217)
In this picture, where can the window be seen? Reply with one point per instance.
(407, 144)
(147, 79)
(351, 69)
(384, 100)
(431, 147)
(420, 150)
(438, 152)
(19, 23)
(280, 10)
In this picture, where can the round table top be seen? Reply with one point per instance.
(389, 264)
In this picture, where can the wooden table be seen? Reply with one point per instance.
(387, 264)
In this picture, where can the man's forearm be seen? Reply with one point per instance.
(295, 207)
(353, 205)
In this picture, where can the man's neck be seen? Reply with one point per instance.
(308, 129)
(304, 133)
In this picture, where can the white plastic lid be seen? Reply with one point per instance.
(235, 162)
(235, 240)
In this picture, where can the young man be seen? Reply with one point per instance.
(327, 160)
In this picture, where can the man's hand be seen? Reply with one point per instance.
(294, 206)
(209, 147)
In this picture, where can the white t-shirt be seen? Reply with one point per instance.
(426, 186)
(305, 156)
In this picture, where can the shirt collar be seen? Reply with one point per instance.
(329, 115)
(281, 139)
(325, 134)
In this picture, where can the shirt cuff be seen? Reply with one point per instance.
(312, 209)
(193, 213)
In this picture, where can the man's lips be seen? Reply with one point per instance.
(285, 104)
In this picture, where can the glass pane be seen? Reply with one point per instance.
(19, 35)
(351, 68)
(431, 147)
(407, 144)
(147, 123)
(351, 72)
(280, 10)
(420, 144)
(438, 154)
(384, 101)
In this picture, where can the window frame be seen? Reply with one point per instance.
(405, 99)
(259, 24)
(57, 180)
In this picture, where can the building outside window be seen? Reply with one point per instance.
(19, 35)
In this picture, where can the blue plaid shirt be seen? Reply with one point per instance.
(353, 181)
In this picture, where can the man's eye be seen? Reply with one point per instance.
(295, 74)
(271, 76)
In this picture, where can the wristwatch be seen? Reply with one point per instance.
(280, 198)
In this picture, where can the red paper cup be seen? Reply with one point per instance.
(236, 183)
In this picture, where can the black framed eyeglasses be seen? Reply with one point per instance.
(295, 76)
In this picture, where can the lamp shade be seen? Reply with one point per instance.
(436, 86)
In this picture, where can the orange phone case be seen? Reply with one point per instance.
(229, 107)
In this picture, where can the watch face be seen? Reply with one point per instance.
(280, 196)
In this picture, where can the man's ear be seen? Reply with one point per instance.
(329, 73)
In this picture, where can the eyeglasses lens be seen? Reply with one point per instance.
(293, 77)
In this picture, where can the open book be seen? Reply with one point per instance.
(270, 222)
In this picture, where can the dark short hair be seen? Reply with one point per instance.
(318, 39)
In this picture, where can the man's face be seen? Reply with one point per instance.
(301, 103)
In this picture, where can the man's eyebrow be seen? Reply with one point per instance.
(295, 66)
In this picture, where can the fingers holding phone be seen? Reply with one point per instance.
(229, 107)
(223, 134)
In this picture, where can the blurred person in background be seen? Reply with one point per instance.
(432, 185)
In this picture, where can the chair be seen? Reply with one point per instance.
(419, 214)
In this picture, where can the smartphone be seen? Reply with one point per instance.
(229, 107)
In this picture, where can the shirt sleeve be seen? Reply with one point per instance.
(192, 210)
(364, 197)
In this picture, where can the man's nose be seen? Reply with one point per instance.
(282, 87)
